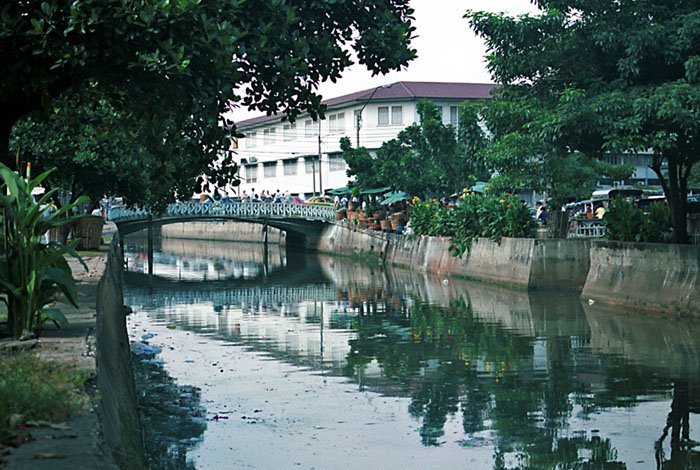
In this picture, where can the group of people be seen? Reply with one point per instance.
(265, 196)
(342, 202)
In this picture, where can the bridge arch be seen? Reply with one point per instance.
(302, 222)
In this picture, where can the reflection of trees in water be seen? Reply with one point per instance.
(684, 454)
(454, 362)
(172, 416)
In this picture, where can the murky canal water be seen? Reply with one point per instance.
(316, 362)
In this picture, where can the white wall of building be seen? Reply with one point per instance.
(277, 155)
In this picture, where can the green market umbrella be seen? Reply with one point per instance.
(374, 191)
(339, 191)
(391, 198)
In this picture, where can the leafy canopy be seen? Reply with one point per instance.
(426, 158)
(175, 66)
(603, 76)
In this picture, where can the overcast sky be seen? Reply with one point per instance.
(448, 51)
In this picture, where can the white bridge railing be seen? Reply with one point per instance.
(253, 210)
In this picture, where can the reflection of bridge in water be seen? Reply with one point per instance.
(224, 294)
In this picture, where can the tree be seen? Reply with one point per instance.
(177, 66)
(426, 158)
(515, 149)
(97, 150)
(607, 76)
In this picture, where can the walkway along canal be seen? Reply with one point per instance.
(318, 362)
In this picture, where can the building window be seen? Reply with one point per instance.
(251, 173)
(439, 112)
(396, 115)
(269, 136)
(289, 132)
(383, 116)
(336, 163)
(454, 116)
(311, 164)
(309, 128)
(252, 140)
(270, 169)
(336, 122)
(290, 167)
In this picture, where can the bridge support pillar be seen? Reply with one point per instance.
(265, 265)
(150, 246)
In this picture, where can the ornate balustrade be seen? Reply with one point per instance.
(594, 228)
(234, 210)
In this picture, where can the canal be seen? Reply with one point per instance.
(311, 361)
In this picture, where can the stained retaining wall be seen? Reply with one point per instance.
(522, 262)
(658, 278)
(115, 379)
(649, 276)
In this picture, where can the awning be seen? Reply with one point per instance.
(375, 191)
(339, 191)
(479, 187)
(392, 198)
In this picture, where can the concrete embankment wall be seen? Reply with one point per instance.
(658, 278)
(223, 231)
(655, 277)
(523, 262)
(344, 240)
(115, 379)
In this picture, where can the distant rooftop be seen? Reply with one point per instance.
(399, 91)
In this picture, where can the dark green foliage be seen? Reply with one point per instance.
(592, 76)
(428, 158)
(628, 223)
(170, 69)
(476, 215)
(32, 274)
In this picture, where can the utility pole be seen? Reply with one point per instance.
(358, 116)
(320, 167)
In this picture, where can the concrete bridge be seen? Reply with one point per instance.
(301, 219)
(301, 222)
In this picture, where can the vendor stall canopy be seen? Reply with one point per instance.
(394, 197)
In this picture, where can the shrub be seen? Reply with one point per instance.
(475, 216)
(628, 223)
(33, 274)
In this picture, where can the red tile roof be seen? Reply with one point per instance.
(400, 91)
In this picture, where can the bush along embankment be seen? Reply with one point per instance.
(626, 222)
(474, 216)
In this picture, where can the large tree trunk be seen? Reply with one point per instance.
(676, 190)
(5, 129)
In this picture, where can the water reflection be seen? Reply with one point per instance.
(171, 414)
(539, 380)
(194, 260)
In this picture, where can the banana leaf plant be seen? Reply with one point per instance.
(33, 273)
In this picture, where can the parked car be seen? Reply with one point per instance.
(320, 201)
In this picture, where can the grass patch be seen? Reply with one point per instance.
(36, 389)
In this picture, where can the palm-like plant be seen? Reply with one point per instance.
(33, 273)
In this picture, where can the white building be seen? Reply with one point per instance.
(277, 155)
